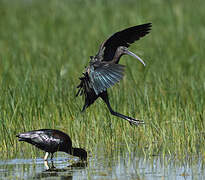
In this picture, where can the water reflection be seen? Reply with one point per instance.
(103, 165)
(63, 173)
(50, 166)
(54, 173)
(60, 168)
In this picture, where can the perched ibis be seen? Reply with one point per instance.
(51, 141)
(104, 71)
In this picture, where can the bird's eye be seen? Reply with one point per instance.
(91, 57)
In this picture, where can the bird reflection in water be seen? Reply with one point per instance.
(79, 164)
(63, 173)
(73, 164)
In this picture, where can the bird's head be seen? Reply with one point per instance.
(81, 153)
(122, 50)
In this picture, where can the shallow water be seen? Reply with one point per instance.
(103, 166)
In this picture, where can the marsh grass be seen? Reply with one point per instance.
(44, 46)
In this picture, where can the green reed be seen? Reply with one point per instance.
(44, 47)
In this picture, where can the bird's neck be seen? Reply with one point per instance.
(117, 56)
(75, 152)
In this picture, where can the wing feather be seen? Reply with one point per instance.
(122, 38)
(105, 75)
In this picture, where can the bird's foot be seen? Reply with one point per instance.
(136, 122)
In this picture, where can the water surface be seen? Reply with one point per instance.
(104, 166)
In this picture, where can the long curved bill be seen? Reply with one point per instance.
(134, 55)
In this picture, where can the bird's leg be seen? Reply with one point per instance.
(46, 165)
(52, 164)
(49, 168)
(46, 156)
(132, 121)
(51, 156)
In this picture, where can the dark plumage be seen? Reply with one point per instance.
(104, 71)
(51, 141)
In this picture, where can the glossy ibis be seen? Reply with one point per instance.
(51, 141)
(104, 71)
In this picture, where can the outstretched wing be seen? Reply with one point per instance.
(103, 76)
(122, 38)
(98, 77)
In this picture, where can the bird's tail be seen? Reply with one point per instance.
(84, 85)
